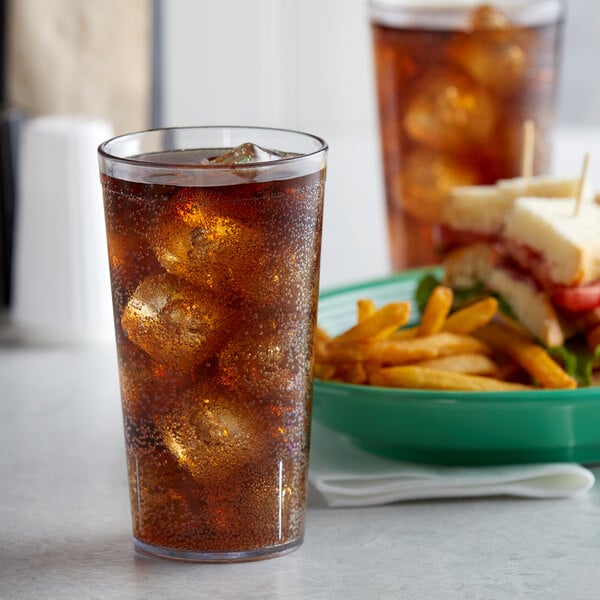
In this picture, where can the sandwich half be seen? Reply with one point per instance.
(545, 265)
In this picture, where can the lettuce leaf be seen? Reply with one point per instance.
(424, 288)
(578, 360)
(462, 296)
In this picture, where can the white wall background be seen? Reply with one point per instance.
(580, 91)
(294, 63)
(307, 64)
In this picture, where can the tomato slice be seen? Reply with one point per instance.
(577, 299)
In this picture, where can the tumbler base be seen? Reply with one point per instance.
(217, 557)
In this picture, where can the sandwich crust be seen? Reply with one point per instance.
(540, 185)
(483, 208)
(564, 243)
(480, 208)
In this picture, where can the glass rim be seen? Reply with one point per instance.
(437, 14)
(454, 4)
(106, 154)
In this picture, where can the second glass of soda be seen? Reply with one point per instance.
(456, 81)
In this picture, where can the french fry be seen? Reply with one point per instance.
(378, 326)
(398, 352)
(407, 333)
(347, 352)
(472, 317)
(470, 364)
(321, 335)
(532, 357)
(403, 351)
(351, 373)
(365, 308)
(321, 339)
(411, 376)
(436, 310)
(509, 323)
(324, 371)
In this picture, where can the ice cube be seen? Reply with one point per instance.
(212, 434)
(148, 385)
(425, 180)
(246, 153)
(282, 283)
(449, 111)
(497, 59)
(196, 241)
(266, 359)
(174, 322)
(487, 17)
(128, 256)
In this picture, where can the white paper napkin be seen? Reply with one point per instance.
(349, 476)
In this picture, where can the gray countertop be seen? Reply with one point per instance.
(65, 531)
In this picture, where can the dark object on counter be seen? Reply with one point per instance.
(11, 120)
(2, 51)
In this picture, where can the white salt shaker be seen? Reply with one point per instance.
(61, 281)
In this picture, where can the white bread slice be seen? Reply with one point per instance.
(469, 266)
(532, 307)
(539, 185)
(483, 208)
(568, 242)
(480, 208)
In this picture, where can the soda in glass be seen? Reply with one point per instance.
(456, 81)
(214, 240)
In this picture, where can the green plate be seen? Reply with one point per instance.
(452, 428)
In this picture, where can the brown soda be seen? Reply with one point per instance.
(214, 290)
